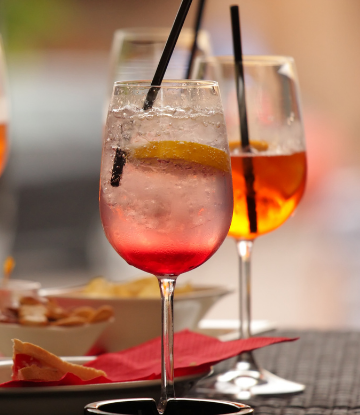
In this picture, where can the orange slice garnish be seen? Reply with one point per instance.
(259, 145)
(184, 150)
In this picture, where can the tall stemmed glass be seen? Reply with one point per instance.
(268, 183)
(4, 113)
(166, 196)
(135, 54)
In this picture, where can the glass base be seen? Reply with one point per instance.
(174, 407)
(245, 380)
(244, 387)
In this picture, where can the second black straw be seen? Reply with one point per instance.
(244, 132)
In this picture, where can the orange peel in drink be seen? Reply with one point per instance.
(259, 145)
(185, 151)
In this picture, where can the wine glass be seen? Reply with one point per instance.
(135, 54)
(8, 204)
(166, 197)
(268, 183)
(4, 113)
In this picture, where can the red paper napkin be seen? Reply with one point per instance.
(194, 353)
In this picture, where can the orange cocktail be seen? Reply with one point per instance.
(4, 115)
(3, 146)
(279, 185)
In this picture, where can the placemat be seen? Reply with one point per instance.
(328, 363)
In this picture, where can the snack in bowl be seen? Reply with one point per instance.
(31, 362)
(37, 311)
(146, 287)
(64, 331)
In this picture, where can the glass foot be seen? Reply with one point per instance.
(174, 406)
(244, 386)
(246, 380)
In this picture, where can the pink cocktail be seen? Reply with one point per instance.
(166, 196)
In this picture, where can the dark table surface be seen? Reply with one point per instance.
(328, 363)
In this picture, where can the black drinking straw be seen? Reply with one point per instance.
(199, 14)
(245, 143)
(120, 156)
(167, 52)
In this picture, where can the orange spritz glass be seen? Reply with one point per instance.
(268, 182)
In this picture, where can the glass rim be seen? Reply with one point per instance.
(250, 59)
(136, 33)
(170, 84)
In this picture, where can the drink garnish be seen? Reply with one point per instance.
(185, 151)
(259, 145)
(118, 166)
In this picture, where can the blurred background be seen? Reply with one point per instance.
(306, 273)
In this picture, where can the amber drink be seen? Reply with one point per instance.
(279, 185)
(3, 146)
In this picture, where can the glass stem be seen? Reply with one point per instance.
(167, 287)
(244, 251)
(246, 362)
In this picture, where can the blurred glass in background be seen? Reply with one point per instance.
(136, 52)
(57, 54)
(7, 203)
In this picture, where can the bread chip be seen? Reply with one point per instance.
(70, 321)
(103, 313)
(33, 315)
(42, 312)
(85, 312)
(56, 313)
(30, 301)
(36, 363)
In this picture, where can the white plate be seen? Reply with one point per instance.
(70, 400)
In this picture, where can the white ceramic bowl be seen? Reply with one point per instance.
(62, 341)
(139, 319)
